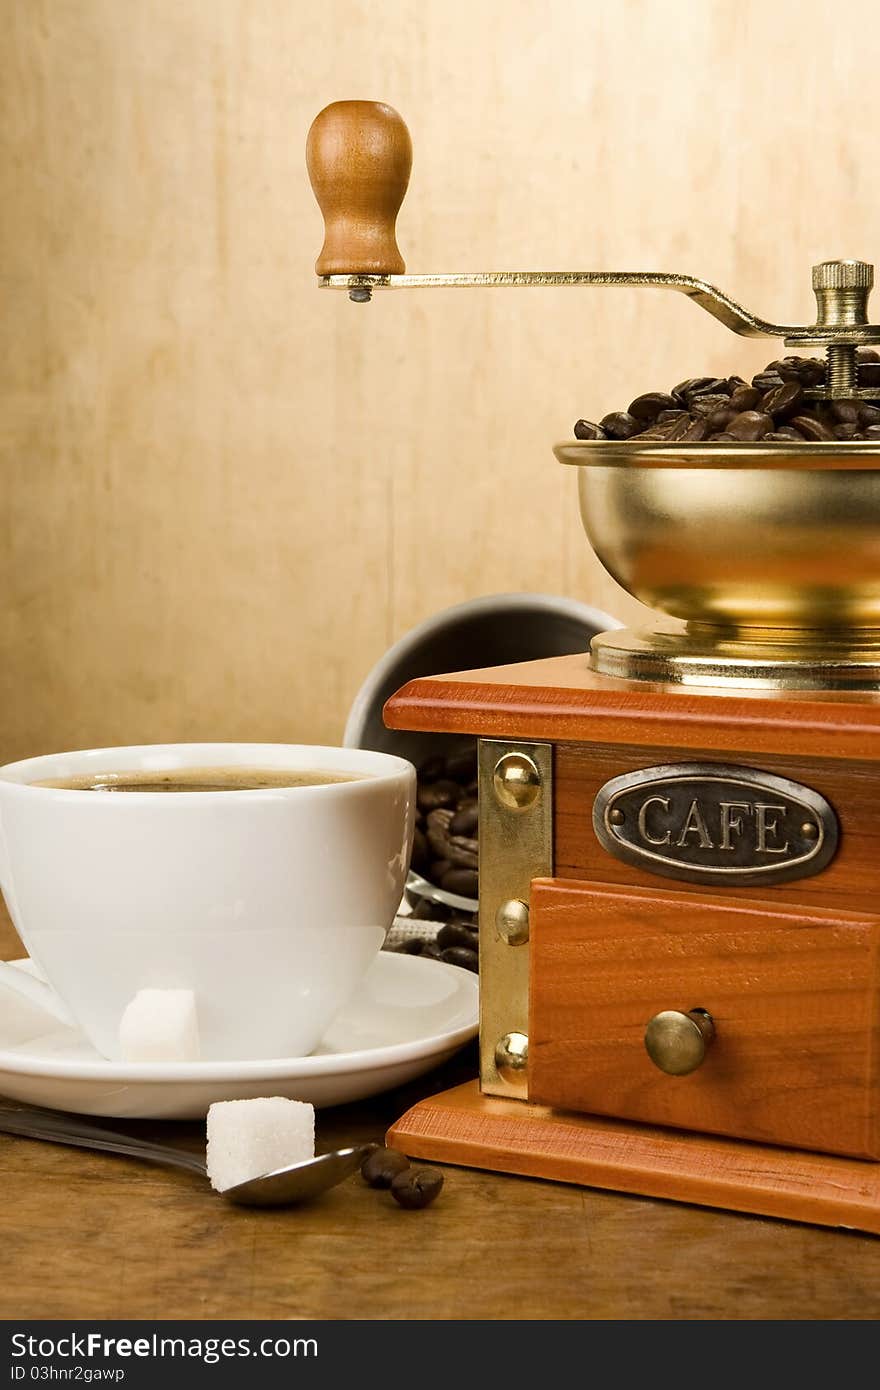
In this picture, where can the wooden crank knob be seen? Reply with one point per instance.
(359, 155)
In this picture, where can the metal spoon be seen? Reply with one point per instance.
(282, 1187)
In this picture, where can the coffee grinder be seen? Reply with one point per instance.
(679, 832)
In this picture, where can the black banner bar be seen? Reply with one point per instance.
(169, 1354)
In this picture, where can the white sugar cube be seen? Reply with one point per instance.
(247, 1138)
(160, 1025)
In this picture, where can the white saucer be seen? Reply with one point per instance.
(410, 1014)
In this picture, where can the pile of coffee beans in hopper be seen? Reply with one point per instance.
(772, 408)
(445, 852)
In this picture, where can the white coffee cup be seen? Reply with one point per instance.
(268, 904)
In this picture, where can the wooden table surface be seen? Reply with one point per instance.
(94, 1236)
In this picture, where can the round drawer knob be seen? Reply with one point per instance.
(676, 1042)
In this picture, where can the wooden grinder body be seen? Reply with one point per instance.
(783, 1115)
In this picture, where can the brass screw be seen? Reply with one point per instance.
(512, 1056)
(512, 922)
(517, 781)
(616, 817)
(809, 830)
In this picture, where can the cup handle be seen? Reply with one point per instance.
(28, 986)
(36, 992)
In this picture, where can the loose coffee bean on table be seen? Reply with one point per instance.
(412, 1188)
(773, 407)
(417, 1188)
(382, 1166)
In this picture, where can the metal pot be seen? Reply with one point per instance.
(489, 631)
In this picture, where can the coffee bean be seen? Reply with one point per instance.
(431, 951)
(812, 428)
(649, 406)
(704, 405)
(700, 386)
(750, 425)
(410, 946)
(666, 417)
(585, 429)
(846, 412)
(786, 368)
(734, 383)
(721, 439)
(442, 793)
(620, 425)
(659, 432)
(426, 911)
(453, 851)
(845, 431)
(461, 767)
(461, 956)
(464, 882)
(745, 398)
(457, 933)
(720, 419)
(867, 354)
(868, 415)
(464, 822)
(783, 400)
(766, 381)
(810, 372)
(788, 432)
(873, 433)
(679, 428)
(697, 431)
(417, 1189)
(680, 391)
(419, 859)
(869, 373)
(382, 1166)
(432, 769)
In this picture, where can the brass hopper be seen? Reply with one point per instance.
(764, 559)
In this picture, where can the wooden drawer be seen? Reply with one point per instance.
(792, 991)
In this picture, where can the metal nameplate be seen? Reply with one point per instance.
(718, 824)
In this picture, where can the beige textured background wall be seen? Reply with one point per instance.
(224, 494)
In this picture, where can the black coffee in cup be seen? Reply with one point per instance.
(199, 779)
